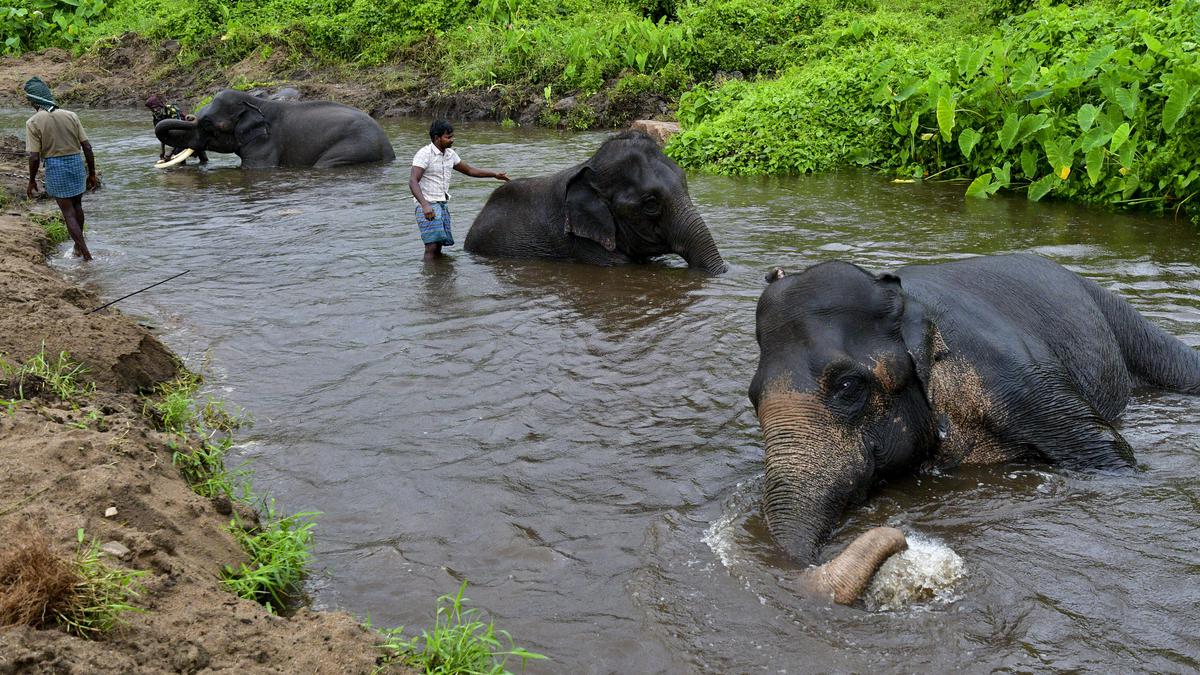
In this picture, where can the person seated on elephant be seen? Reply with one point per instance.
(162, 110)
(429, 183)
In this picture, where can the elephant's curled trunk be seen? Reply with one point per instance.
(695, 244)
(846, 577)
(813, 466)
(178, 133)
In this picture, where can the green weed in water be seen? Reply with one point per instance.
(458, 643)
(279, 551)
(172, 408)
(204, 470)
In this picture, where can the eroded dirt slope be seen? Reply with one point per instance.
(64, 465)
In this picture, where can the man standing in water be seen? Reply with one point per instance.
(429, 183)
(55, 136)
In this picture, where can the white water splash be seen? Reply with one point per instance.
(721, 534)
(927, 573)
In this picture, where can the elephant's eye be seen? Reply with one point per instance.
(650, 204)
(848, 385)
(849, 393)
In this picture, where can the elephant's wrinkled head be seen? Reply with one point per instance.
(231, 122)
(838, 395)
(630, 197)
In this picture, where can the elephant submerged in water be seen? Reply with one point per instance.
(984, 360)
(627, 203)
(268, 134)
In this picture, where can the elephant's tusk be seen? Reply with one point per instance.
(184, 154)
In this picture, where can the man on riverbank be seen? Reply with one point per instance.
(429, 183)
(55, 136)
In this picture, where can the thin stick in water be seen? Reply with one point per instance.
(136, 292)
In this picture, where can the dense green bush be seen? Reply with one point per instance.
(369, 31)
(36, 24)
(750, 36)
(810, 120)
(1093, 102)
(576, 52)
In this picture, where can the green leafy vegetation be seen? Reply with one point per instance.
(35, 24)
(460, 642)
(278, 548)
(54, 227)
(100, 596)
(42, 373)
(279, 551)
(172, 405)
(1094, 102)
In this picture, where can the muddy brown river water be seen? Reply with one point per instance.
(577, 442)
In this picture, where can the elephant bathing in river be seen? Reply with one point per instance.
(627, 203)
(267, 134)
(983, 360)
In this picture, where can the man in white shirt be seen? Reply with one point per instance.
(430, 186)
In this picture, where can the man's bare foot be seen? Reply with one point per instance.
(433, 251)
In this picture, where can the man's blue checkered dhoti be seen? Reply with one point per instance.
(436, 231)
(65, 176)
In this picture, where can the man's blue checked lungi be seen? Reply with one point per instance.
(65, 175)
(436, 231)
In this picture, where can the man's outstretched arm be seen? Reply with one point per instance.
(463, 167)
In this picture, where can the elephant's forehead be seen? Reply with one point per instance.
(781, 398)
(641, 169)
(812, 302)
(820, 337)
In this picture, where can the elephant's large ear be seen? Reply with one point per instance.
(916, 331)
(252, 126)
(587, 211)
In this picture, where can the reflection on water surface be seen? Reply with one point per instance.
(577, 442)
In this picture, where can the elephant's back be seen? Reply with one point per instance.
(306, 121)
(519, 220)
(1024, 306)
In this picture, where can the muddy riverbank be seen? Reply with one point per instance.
(64, 466)
(126, 70)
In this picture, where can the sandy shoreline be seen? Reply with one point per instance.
(63, 465)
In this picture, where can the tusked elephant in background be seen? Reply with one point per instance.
(627, 203)
(268, 134)
(984, 360)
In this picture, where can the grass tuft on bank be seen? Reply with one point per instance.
(82, 594)
(54, 227)
(43, 373)
(278, 548)
(459, 642)
(279, 551)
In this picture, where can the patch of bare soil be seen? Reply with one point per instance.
(63, 466)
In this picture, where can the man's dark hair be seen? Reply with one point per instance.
(439, 128)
